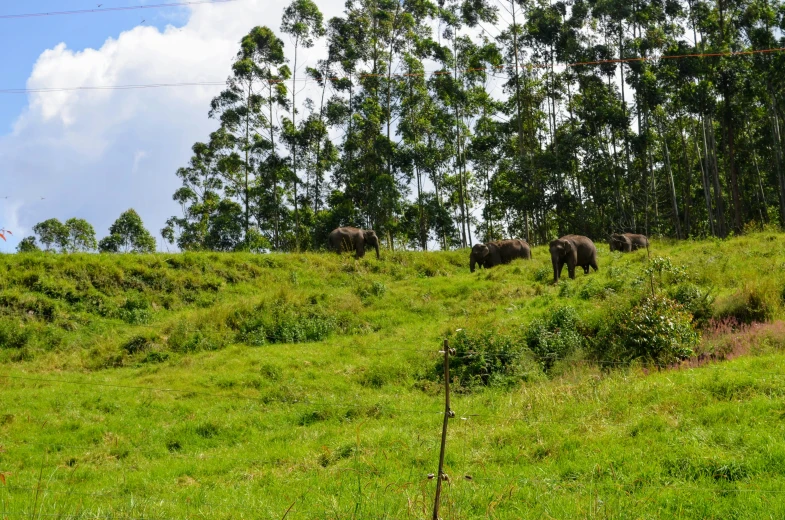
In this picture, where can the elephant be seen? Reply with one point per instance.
(637, 241)
(498, 252)
(352, 239)
(627, 242)
(573, 250)
(621, 243)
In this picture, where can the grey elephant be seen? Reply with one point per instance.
(620, 242)
(498, 252)
(637, 241)
(573, 250)
(353, 239)
(627, 242)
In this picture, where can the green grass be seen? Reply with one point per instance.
(240, 386)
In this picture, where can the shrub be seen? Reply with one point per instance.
(657, 329)
(695, 300)
(554, 337)
(487, 358)
(13, 335)
(279, 321)
(751, 304)
(543, 274)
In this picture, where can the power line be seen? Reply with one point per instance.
(528, 66)
(111, 87)
(111, 9)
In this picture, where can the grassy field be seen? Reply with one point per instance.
(307, 386)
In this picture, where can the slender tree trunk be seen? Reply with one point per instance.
(276, 229)
(666, 154)
(711, 161)
(778, 159)
(294, 148)
(246, 195)
(706, 186)
(688, 183)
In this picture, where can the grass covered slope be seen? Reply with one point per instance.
(233, 386)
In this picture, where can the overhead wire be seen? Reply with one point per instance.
(527, 66)
(112, 9)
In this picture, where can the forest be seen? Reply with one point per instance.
(437, 124)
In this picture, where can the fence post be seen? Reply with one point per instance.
(447, 415)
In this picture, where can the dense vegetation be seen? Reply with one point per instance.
(436, 122)
(235, 385)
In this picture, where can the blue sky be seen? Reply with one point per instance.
(23, 40)
(93, 155)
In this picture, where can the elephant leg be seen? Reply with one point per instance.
(571, 270)
(585, 269)
(360, 249)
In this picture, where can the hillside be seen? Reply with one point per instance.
(246, 386)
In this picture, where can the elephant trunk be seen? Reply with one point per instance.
(555, 269)
(377, 250)
(472, 263)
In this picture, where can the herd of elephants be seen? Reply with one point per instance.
(572, 250)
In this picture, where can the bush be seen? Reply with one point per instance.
(13, 335)
(279, 321)
(747, 306)
(555, 337)
(695, 300)
(657, 330)
(488, 358)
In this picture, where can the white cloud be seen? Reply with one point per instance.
(93, 154)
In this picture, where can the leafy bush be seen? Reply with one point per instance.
(14, 335)
(543, 274)
(280, 321)
(751, 304)
(488, 358)
(135, 310)
(554, 337)
(695, 300)
(657, 329)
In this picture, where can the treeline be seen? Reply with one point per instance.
(126, 235)
(434, 122)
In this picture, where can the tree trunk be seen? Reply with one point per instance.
(713, 169)
(666, 154)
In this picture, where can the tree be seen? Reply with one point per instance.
(27, 245)
(302, 21)
(128, 234)
(81, 235)
(51, 233)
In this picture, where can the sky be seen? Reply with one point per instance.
(95, 154)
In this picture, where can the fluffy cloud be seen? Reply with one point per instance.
(93, 154)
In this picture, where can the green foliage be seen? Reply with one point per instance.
(27, 245)
(657, 329)
(752, 304)
(488, 358)
(128, 234)
(695, 300)
(280, 321)
(554, 337)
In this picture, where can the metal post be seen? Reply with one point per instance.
(447, 415)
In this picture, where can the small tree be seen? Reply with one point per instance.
(52, 232)
(128, 234)
(80, 234)
(27, 245)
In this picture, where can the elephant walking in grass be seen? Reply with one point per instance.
(619, 242)
(498, 252)
(573, 250)
(626, 242)
(353, 239)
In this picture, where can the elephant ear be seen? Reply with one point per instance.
(368, 233)
(569, 247)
